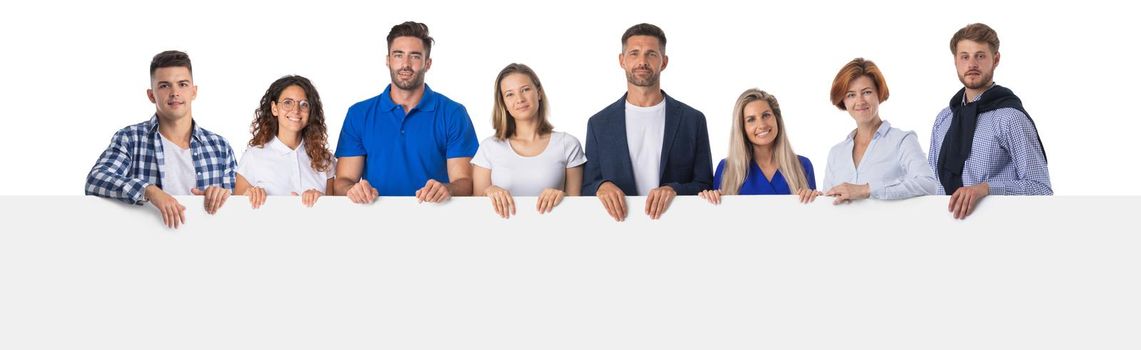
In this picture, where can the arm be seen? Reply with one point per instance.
(592, 171)
(702, 164)
(256, 195)
(574, 181)
(110, 177)
(501, 200)
(461, 147)
(572, 177)
(481, 180)
(809, 174)
(349, 170)
(918, 180)
(231, 172)
(459, 183)
(351, 155)
(932, 154)
(348, 181)
(459, 176)
(829, 171)
(1021, 139)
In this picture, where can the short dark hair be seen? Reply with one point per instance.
(645, 29)
(171, 58)
(415, 30)
(976, 32)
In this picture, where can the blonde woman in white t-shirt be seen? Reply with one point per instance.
(526, 157)
(288, 154)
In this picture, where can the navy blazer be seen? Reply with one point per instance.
(686, 164)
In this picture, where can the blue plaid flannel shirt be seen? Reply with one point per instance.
(134, 160)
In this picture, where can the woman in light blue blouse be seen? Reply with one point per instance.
(761, 159)
(875, 160)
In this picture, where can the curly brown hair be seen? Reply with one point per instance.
(264, 126)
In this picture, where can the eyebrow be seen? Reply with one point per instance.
(520, 88)
(167, 82)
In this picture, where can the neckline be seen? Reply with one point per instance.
(761, 172)
(550, 140)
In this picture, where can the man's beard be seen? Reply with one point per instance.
(984, 81)
(411, 84)
(648, 81)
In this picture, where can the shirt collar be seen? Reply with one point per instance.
(880, 132)
(427, 102)
(979, 96)
(280, 148)
(196, 133)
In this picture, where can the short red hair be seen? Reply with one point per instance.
(858, 67)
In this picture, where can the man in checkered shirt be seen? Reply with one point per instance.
(169, 154)
(984, 142)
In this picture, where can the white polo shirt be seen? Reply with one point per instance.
(280, 170)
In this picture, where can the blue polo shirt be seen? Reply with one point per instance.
(402, 151)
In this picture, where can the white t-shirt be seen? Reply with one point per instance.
(280, 170)
(177, 169)
(645, 129)
(529, 176)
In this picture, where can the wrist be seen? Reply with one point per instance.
(148, 192)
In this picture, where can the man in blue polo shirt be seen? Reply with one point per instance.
(409, 140)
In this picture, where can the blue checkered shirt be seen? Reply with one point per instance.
(134, 160)
(1005, 154)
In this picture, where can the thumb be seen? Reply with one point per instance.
(196, 192)
(294, 193)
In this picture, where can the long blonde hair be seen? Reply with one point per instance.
(741, 150)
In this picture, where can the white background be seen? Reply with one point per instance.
(73, 73)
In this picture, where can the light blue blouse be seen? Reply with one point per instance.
(893, 166)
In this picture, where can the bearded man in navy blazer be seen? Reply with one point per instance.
(646, 143)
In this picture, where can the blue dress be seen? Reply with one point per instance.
(756, 183)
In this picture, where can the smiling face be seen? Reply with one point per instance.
(407, 62)
(172, 90)
(291, 110)
(862, 100)
(760, 123)
(520, 95)
(975, 63)
(643, 60)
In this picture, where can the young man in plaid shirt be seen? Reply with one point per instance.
(169, 154)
